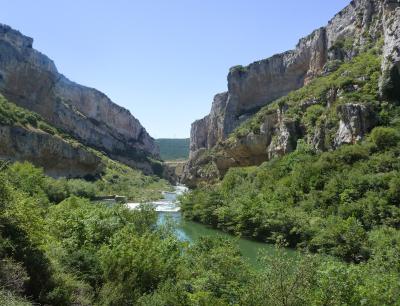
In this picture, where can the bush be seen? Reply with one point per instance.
(10, 299)
(135, 265)
(384, 137)
(57, 190)
(81, 188)
(13, 275)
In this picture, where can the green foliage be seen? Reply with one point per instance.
(123, 180)
(78, 252)
(13, 275)
(10, 299)
(173, 149)
(239, 68)
(134, 265)
(117, 179)
(327, 202)
(11, 114)
(385, 137)
(283, 280)
(214, 265)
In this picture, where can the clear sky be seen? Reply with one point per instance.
(163, 59)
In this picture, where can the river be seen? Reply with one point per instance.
(191, 231)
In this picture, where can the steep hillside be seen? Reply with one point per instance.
(350, 68)
(25, 136)
(31, 80)
(317, 168)
(173, 148)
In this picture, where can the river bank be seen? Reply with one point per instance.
(168, 209)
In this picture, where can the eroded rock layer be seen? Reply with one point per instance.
(55, 155)
(31, 80)
(352, 31)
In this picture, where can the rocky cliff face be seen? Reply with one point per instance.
(31, 80)
(355, 121)
(54, 154)
(350, 32)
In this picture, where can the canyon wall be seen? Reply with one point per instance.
(55, 155)
(352, 31)
(31, 80)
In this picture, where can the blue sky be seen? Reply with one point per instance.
(163, 60)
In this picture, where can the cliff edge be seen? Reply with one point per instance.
(31, 80)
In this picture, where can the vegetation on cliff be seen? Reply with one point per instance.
(115, 178)
(340, 200)
(11, 114)
(329, 202)
(340, 106)
(315, 104)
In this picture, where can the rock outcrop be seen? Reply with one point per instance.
(31, 80)
(390, 83)
(355, 121)
(55, 155)
(350, 32)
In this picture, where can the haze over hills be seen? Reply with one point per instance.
(173, 148)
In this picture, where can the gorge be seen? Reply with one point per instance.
(352, 31)
(294, 175)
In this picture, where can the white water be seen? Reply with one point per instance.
(168, 204)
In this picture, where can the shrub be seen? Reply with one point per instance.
(81, 188)
(13, 275)
(384, 137)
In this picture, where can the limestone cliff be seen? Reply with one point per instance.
(351, 32)
(55, 155)
(31, 80)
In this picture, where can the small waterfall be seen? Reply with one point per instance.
(168, 204)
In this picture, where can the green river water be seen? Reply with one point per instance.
(191, 231)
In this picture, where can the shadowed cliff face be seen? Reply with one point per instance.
(353, 30)
(30, 79)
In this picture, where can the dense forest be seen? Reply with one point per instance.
(173, 148)
(71, 251)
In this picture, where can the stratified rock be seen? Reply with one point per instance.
(355, 121)
(277, 135)
(199, 135)
(390, 83)
(349, 32)
(206, 132)
(260, 83)
(55, 155)
(31, 80)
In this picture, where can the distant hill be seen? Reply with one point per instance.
(173, 148)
